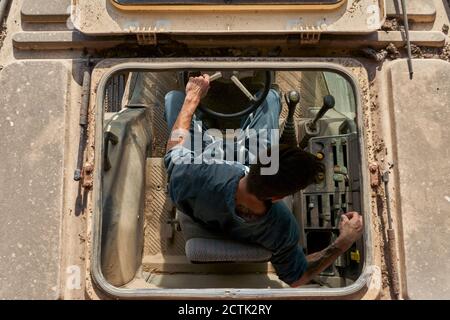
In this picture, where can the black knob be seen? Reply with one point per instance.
(289, 135)
(328, 103)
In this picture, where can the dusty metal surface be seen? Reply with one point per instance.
(31, 202)
(45, 11)
(92, 17)
(420, 110)
(418, 10)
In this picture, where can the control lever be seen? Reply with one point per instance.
(215, 76)
(289, 135)
(328, 103)
(311, 128)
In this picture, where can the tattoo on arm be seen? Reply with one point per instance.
(317, 262)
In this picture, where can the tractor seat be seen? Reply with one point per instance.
(204, 246)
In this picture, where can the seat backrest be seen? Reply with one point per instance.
(205, 246)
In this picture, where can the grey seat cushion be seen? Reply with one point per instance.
(203, 246)
(201, 250)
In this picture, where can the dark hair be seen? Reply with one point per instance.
(297, 170)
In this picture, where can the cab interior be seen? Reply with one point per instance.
(141, 245)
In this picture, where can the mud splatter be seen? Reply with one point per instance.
(391, 25)
(445, 54)
(355, 6)
(445, 28)
(378, 56)
(392, 51)
(2, 33)
(416, 52)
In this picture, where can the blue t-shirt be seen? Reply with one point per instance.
(206, 192)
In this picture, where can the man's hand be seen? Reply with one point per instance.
(195, 90)
(351, 229)
(197, 87)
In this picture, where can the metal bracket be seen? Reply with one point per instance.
(309, 34)
(87, 177)
(374, 175)
(309, 37)
(146, 38)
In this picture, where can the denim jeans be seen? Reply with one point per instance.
(265, 117)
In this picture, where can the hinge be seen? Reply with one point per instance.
(309, 37)
(308, 34)
(146, 37)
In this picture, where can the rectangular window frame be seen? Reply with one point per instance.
(227, 5)
(370, 272)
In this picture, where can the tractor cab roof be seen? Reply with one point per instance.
(310, 17)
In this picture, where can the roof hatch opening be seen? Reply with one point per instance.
(149, 4)
(142, 246)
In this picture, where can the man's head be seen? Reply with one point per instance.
(297, 170)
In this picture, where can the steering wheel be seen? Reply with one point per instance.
(234, 77)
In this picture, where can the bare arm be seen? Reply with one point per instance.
(351, 228)
(195, 90)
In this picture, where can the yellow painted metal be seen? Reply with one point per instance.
(355, 256)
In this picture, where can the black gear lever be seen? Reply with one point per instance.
(328, 103)
(311, 128)
(289, 135)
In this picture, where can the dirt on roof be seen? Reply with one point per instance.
(391, 25)
(2, 33)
